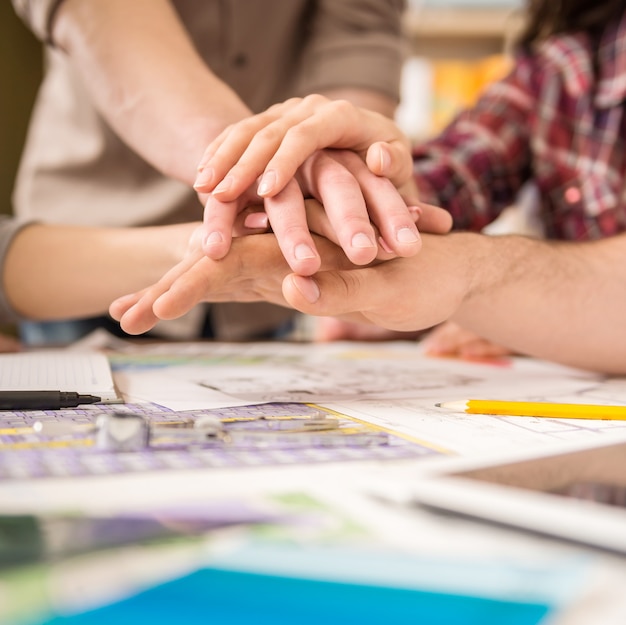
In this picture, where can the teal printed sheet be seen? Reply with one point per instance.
(230, 597)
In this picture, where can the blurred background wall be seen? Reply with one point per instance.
(20, 74)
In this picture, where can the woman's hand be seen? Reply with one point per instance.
(356, 180)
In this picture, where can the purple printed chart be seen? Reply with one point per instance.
(274, 404)
(247, 436)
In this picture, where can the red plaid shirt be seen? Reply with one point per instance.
(553, 120)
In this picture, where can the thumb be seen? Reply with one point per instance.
(329, 293)
(392, 160)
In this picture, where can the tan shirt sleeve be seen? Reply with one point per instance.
(9, 228)
(38, 15)
(354, 43)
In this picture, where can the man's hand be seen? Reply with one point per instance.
(253, 271)
(450, 339)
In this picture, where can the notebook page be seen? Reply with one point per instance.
(86, 372)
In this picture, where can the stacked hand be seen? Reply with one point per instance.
(256, 270)
(355, 181)
(278, 157)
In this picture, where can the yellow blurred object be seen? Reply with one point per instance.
(457, 84)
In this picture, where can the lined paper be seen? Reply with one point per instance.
(86, 372)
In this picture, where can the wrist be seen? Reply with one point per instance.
(166, 246)
(467, 269)
(479, 263)
(493, 265)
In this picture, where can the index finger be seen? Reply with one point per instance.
(315, 124)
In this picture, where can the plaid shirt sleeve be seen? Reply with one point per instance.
(476, 166)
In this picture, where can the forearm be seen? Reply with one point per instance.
(56, 272)
(147, 80)
(559, 301)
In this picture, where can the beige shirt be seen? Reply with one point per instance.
(75, 169)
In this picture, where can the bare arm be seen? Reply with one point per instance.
(147, 79)
(560, 301)
(60, 272)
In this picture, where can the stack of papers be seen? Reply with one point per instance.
(84, 372)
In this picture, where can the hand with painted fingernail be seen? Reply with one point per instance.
(357, 186)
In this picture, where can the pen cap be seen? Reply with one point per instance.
(122, 431)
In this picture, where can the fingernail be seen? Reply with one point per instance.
(204, 178)
(406, 235)
(385, 160)
(308, 288)
(213, 238)
(415, 212)
(303, 251)
(204, 161)
(225, 185)
(267, 183)
(256, 220)
(361, 240)
(384, 245)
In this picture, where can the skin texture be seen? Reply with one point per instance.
(450, 339)
(512, 290)
(357, 187)
(161, 98)
(151, 86)
(240, 278)
(279, 143)
(61, 272)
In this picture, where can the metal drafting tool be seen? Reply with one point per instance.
(126, 431)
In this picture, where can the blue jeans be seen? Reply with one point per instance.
(42, 333)
(47, 333)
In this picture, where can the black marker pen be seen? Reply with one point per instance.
(43, 400)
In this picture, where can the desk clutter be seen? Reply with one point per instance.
(110, 439)
(292, 475)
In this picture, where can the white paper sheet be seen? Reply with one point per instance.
(85, 372)
(393, 385)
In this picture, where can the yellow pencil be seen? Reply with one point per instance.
(536, 409)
